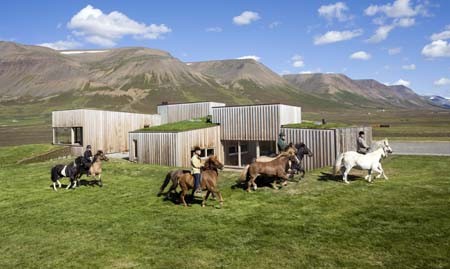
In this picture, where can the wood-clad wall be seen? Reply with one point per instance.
(105, 130)
(173, 148)
(186, 111)
(254, 122)
(326, 144)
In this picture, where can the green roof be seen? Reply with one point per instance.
(313, 125)
(179, 126)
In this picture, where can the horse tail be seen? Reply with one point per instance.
(338, 163)
(244, 174)
(164, 185)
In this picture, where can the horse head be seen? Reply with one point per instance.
(291, 153)
(303, 150)
(386, 146)
(213, 163)
(100, 155)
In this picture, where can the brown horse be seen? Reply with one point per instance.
(275, 168)
(172, 176)
(95, 169)
(210, 175)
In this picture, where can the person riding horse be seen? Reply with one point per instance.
(87, 158)
(282, 145)
(362, 146)
(197, 164)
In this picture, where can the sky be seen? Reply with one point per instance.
(395, 42)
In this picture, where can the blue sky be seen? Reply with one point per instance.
(395, 41)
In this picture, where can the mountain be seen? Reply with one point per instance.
(439, 101)
(363, 92)
(136, 79)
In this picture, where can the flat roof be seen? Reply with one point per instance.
(265, 104)
(101, 110)
(196, 102)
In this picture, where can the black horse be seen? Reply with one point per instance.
(60, 170)
(298, 168)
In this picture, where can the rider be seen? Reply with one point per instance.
(282, 145)
(87, 158)
(197, 164)
(362, 146)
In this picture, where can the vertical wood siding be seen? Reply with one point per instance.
(326, 144)
(105, 130)
(254, 122)
(174, 149)
(179, 112)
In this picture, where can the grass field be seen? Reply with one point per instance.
(317, 223)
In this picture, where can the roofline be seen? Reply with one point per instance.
(194, 102)
(266, 104)
(170, 132)
(101, 110)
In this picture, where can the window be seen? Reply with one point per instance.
(63, 135)
(244, 148)
(78, 138)
(135, 148)
(209, 152)
(232, 150)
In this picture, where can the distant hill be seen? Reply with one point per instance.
(136, 79)
(363, 92)
(438, 101)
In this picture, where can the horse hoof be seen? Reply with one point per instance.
(203, 205)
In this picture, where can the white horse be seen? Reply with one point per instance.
(370, 161)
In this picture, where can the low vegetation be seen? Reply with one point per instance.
(319, 125)
(317, 223)
(180, 126)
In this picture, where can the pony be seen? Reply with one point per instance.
(185, 180)
(60, 170)
(302, 150)
(370, 162)
(95, 169)
(276, 167)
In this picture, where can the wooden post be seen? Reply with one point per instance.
(239, 154)
(72, 136)
(54, 135)
(258, 153)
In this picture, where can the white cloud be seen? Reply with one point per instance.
(306, 72)
(398, 9)
(106, 29)
(252, 57)
(402, 82)
(336, 36)
(274, 24)
(442, 82)
(393, 51)
(246, 17)
(360, 55)
(442, 35)
(62, 45)
(297, 61)
(334, 11)
(438, 48)
(409, 67)
(381, 33)
(404, 22)
(214, 29)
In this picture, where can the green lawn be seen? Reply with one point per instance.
(180, 126)
(317, 223)
(312, 125)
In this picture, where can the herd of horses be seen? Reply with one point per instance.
(280, 169)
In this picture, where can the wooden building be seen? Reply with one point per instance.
(173, 148)
(326, 144)
(105, 130)
(178, 112)
(249, 131)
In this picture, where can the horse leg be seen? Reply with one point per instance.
(70, 185)
(347, 170)
(249, 184)
(100, 183)
(59, 183)
(205, 198)
(369, 175)
(182, 195)
(54, 186)
(382, 172)
(255, 186)
(378, 170)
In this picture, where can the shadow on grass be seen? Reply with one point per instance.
(174, 197)
(262, 181)
(330, 177)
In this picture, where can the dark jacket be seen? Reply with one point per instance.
(87, 156)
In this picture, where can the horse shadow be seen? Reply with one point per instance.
(261, 181)
(89, 183)
(190, 198)
(330, 177)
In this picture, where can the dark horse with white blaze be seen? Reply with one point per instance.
(275, 167)
(60, 170)
(95, 169)
(185, 180)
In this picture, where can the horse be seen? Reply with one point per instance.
(95, 169)
(276, 167)
(60, 170)
(370, 161)
(210, 175)
(302, 150)
(172, 176)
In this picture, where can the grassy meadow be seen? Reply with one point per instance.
(317, 223)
